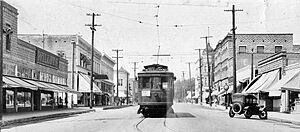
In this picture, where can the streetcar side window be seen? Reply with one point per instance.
(165, 82)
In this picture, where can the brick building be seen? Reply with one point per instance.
(33, 79)
(263, 45)
(78, 53)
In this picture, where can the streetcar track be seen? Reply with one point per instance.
(137, 125)
(165, 125)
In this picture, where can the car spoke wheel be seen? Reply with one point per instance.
(231, 114)
(247, 114)
(263, 114)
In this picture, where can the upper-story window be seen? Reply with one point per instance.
(260, 49)
(84, 61)
(242, 49)
(8, 33)
(278, 49)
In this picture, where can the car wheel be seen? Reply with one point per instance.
(231, 114)
(247, 114)
(237, 108)
(263, 114)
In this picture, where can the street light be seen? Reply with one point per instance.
(226, 87)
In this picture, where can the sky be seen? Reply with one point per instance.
(130, 25)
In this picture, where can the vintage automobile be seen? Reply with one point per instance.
(246, 104)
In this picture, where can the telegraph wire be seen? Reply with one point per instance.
(174, 25)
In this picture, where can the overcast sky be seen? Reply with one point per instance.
(130, 25)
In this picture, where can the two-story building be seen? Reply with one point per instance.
(78, 53)
(33, 78)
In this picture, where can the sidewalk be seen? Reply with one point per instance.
(275, 116)
(13, 118)
(22, 117)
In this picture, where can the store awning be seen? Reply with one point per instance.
(10, 83)
(293, 84)
(17, 82)
(263, 83)
(84, 84)
(43, 85)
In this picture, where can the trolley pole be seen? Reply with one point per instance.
(92, 27)
(200, 75)
(233, 46)
(208, 69)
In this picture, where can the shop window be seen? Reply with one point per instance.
(23, 99)
(9, 99)
(46, 99)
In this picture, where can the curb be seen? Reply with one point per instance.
(269, 118)
(43, 117)
(284, 121)
(116, 107)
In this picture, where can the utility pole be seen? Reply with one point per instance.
(127, 88)
(134, 70)
(1, 61)
(208, 69)
(92, 27)
(252, 64)
(117, 50)
(183, 89)
(200, 75)
(190, 81)
(233, 46)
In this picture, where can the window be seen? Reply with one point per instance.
(46, 99)
(23, 99)
(8, 41)
(278, 49)
(9, 99)
(9, 69)
(120, 82)
(242, 49)
(260, 49)
(24, 72)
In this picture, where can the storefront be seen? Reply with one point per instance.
(30, 95)
(84, 88)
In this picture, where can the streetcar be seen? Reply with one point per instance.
(155, 90)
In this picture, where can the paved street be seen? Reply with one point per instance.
(187, 117)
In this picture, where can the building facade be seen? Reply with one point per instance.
(78, 52)
(33, 78)
(123, 84)
(258, 45)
